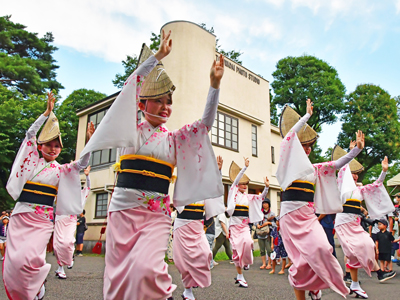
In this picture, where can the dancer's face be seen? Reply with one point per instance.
(355, 177)
(50, 150)
(242, 187)
(161, 107)
(307, 148)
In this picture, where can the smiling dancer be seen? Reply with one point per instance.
(139, 215)
(244, 209)
(64, 237)
(35, 182)
(314, 267)
(356, 243)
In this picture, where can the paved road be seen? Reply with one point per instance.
(85, 282)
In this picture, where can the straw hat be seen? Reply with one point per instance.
(289, 118)
(157, 83)
(234, 170)
(50, 131)
(355, 166)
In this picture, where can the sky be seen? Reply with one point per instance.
(359, 38)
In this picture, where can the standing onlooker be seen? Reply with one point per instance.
(80, 232)
(264, 240)
(222, 236)
(173, 217)
(328, 223)
(209, 227)
(383, 248)
(3, 235)
(279, 249)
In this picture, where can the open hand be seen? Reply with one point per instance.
(220, 161)
(352, 145)
(246, 162)
(50, 103)
(385, 164)
(217, 71)
(266, 181)
(310, 107)
(360, 140)
(87, 171)
(165, 46)
(89, 131)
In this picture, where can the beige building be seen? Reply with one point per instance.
(242, 127)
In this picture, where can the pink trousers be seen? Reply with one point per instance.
(357, 246)
(192, 255)
(64, 239)
(314, 267)
(135, 250)
(242, 244)
(24, 267)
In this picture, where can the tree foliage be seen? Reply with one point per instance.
(129, 64)
(26, 61)
(371, 109)
(298, 78)
(69, 121)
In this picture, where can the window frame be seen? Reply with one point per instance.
(273, 154)
(97, 199)
(217, 128)
(256, 140)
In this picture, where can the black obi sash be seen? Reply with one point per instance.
(144, 173)
(192, 212)
(38, 193)
(299, 191)
(352, 206)
(241, 211)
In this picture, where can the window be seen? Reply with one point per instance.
(225, 131)
(101, 157)
(273, 154)
(140, 116)
(254, 140)
(101, 205)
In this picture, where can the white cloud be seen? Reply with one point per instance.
(277, 3)
(397, 3)
(265, 28)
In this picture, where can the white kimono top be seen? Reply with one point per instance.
(189, 148)
(254, 202)
(375, 195)
(295, 165)
(29, 167)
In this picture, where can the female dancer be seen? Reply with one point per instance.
(191, 250)
(244, 209)
(64, 237)
(35, 182)
(358, 247)
(314, 267)
(138, 221)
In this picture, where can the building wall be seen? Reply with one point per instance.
(243, 95)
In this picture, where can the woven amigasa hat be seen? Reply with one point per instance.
(355, 166)
(157, 83)
(289, 118)
(50, 131)
(234, 170)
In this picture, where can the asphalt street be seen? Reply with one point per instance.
(85, 281)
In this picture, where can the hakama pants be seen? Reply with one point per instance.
(357, 246)
(192, 255)
(137, 240)
(314, 267)
(242, 245)
(25, 268)
(64, 239)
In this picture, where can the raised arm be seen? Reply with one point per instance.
(216, 73)
(353, 153)
(32, 131)
(265, 191)
(240, 175)
(296, 128)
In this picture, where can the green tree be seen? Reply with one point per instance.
(26, 61)
(273, 110)
(371, 109)
(298, 78)
(69, 121)
(155, 41)
(129, 64)
(17, 113)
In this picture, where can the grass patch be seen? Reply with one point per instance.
(222, 255)
(93, 255)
